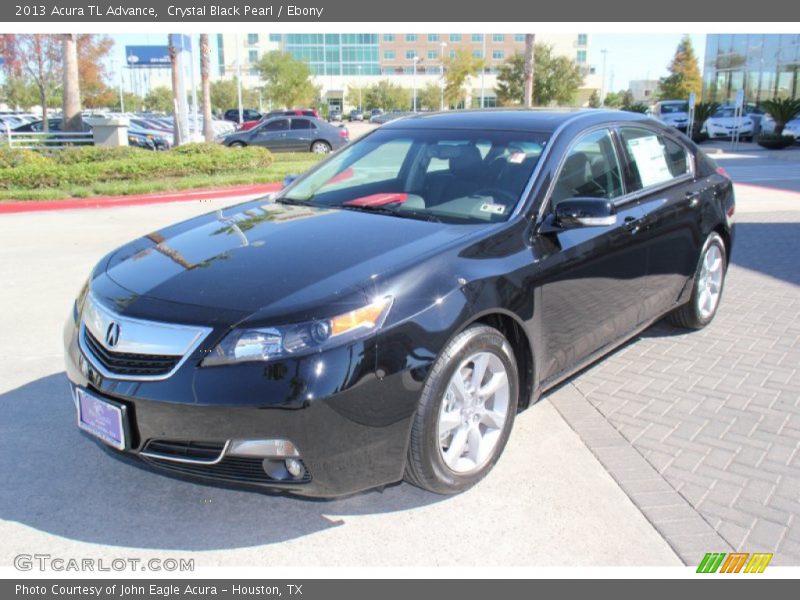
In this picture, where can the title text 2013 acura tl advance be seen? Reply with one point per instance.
(387, 314)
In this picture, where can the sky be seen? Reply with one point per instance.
(637, 56)
(629, 56)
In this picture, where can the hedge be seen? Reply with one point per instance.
(86, 165)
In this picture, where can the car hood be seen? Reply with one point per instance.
(273, 258)
(676, 117)
(729, 121)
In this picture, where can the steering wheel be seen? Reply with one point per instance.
(497, 194)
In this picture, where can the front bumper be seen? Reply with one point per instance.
(350, 428)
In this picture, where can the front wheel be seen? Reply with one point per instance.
(237, 145)
(466, 412)
(320, 147)
(709, 279)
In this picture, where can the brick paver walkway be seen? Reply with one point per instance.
(717, 412)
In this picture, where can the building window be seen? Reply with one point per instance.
(252, 56)
(582, 39)
(477, 53)
(253, 71)
(433, 55)
(389, 55)
(252, 39)
(411, 37)
(433, 37)
(498, 54)
(455, 37)
(498, 38)
(411, 54)
(388, 37)
(274, 37)
(581, 57)
(452, 53)
(477, 37)
(519, 38)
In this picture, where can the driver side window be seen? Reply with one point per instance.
(591, 170)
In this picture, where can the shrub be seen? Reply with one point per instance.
(84, 166)
(19, 157)
(773, 141)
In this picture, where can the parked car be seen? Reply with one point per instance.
(356, 115)
(335, 115)
(300, 112)
(374, 114)
(725, 124)
(387, 314)
(792, 128)
(389, 116)
(138, 140)
(292, 134)
(248, 114)
(672, 112)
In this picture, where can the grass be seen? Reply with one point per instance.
(282, 165)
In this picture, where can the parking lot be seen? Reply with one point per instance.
(676, 445)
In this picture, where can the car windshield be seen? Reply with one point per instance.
(674, 107)
(459, 176)
(724, 113)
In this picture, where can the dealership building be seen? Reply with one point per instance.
(412, 60)
(763, 65)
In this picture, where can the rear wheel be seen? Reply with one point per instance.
(466, 412)
(709, 280)
(320, 147)
(237, 144)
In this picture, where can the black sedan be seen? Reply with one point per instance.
(291, 134)
(389, 312)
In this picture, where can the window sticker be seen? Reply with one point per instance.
(490, 207)
(650, 160)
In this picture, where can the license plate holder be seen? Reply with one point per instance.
(104, 419)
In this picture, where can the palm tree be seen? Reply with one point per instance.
(782, 111)
(174, 59)
(530, 38)
(71, 117)
(205, 84)
(702, 112)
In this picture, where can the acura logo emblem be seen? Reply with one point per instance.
(112, 334)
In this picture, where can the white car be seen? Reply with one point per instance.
(792, 128)
(672, 112)
(724, 124)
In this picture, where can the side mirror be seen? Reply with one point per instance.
(585, 212)
(289, 179)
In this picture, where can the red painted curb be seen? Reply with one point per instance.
(142, 199)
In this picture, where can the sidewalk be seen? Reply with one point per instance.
(716, 147)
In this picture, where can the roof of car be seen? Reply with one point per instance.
(510, 119)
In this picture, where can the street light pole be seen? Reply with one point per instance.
(239, 79)
(443, 46)
(359, 89)
(603, 83)
(483, 70)
(414, 82)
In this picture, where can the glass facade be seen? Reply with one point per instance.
(765, 66)
(336, 53)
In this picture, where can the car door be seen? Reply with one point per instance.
(659, 170)
(302, 132)
(590, 293)
(273, 135)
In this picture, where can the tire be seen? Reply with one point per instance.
(434, 463)
(320, 147)
(698, 312)
(237, 145)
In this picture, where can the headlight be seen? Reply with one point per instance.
(269, 343)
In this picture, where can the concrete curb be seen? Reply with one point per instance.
(136, 200)
(683, 528)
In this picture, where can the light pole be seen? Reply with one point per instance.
(443, 46)
(414, 82)
(359, 89)
(483, 69)
(117, 64)
(239, 79)
(603, 83)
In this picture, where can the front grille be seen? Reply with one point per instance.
(122, 363)
(234, 469)
(200, 451)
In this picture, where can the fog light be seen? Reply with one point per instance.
(279, 448)
(295, 468)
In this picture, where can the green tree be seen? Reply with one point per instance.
(355, 95)
(225, 95)
(782, 111)
(18, 91)
(159, 99)
(627, 99)
(556, 79)
(288, 80)
(613, 100)
(388, 96)
(458, 69)
(430, 97)
(133, 102)
(594, 99)
(684, 77)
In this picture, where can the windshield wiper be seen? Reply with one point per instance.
(393, 212)
(294, 201)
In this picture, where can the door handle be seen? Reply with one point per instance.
(693, 198)
(632, 224)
